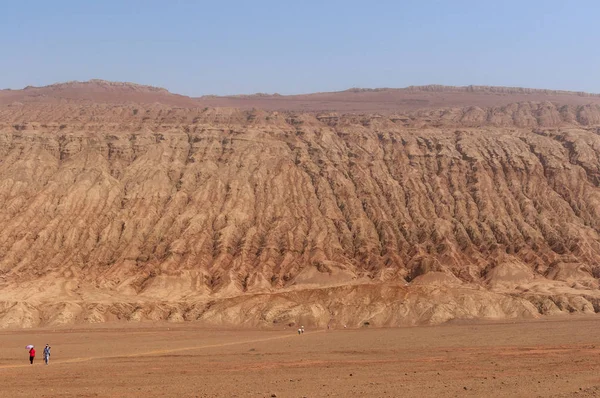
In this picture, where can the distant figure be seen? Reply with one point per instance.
(47, 354)
(31, 355)
(302, 329)
(299, 331)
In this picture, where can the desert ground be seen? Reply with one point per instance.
(551, 357)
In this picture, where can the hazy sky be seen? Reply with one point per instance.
(227, 47)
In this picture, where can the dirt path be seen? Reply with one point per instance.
(165, 351)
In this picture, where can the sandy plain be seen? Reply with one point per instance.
(551, 357)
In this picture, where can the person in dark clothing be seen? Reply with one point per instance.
(47, 354)
(31, 355)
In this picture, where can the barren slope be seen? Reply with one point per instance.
(93, 91)
(387, 100)
(251, 217)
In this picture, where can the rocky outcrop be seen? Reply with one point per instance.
(261, 218)
(526, 115)
(494, 90)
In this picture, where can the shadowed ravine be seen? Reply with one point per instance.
(260, 218)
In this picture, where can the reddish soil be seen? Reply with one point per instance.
(554, 357)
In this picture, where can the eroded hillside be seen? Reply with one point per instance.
(261, 218)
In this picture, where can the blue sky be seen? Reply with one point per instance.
(234, 47)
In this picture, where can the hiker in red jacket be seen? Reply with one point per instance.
(31, 355)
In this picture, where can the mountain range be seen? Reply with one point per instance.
(379, 207)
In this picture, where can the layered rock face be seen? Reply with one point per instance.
(147, 212)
